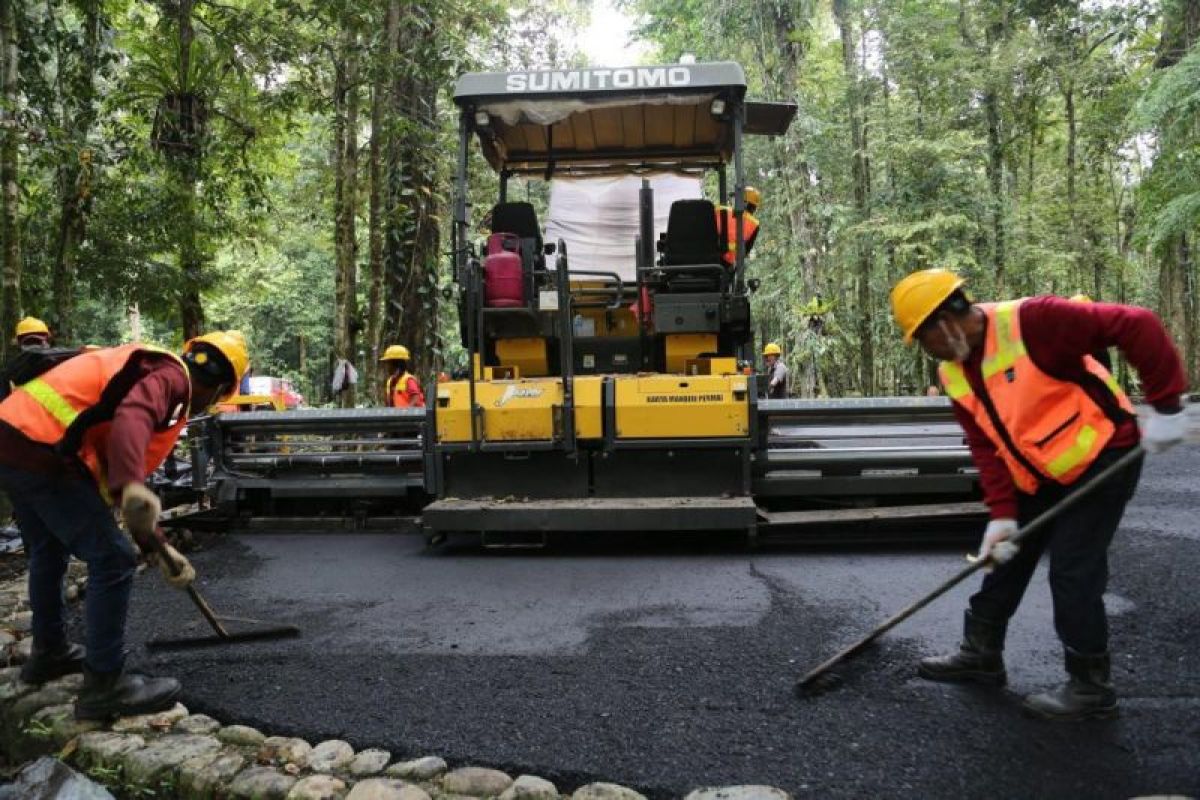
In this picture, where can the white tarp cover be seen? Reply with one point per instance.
(598, 217)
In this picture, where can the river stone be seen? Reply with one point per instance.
(330, 756)
(476, 781)
(530, 787)
(284, 748)
(419, 769)
(197, 723)
(22, 622)
(241, 735)
(9, 675)
(19, 652)
(205, 776)
(151, 723)
(72, 683)
(605, 791)
(62, 723)
(105, 749)
(6, 639)
(317, 787)
(748, 792)
(370, 762)
(48, 695)
(50, 778)
(261, 783)
(17, 688)
(163, 755)
(386, 789)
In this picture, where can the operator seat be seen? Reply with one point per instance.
(692, 239)
(520, 219)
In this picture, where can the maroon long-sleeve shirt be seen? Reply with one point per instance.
(1058, 334)
(161, 392)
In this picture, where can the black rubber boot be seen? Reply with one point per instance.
(107, 695)
(1087, 694)
(980, 657)
(48, 663)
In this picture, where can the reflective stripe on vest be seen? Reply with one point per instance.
(1055, 427)
(44, 409)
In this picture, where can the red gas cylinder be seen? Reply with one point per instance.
(503, 280)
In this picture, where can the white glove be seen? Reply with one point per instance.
(179, 573)
(1163, 431)
(996, 544)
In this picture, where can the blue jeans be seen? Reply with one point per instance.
(62, 517)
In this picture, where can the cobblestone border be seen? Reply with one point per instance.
(176, 754)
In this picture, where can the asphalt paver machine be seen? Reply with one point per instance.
(608, 395)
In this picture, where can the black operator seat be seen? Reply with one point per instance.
(692, 239)
(520, 219)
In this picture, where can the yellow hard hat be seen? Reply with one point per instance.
(918, 295)
(752, 196)
(396, 352)
(31, 325)
(230, 344)
(1080, 298)
(771, 349)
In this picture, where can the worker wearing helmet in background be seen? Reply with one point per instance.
(1042, 416)
(727, 225)
(403, 390)
(76, 440)
(32, 332)
(776, 372)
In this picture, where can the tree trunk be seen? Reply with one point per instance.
(411, 230)
(381, 100)
(860, 169)
(345, 103)
(74, 174)
(186, 167)
(10, 273)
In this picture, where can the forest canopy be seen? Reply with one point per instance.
(282, 167)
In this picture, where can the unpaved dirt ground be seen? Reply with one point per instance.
(666, 664)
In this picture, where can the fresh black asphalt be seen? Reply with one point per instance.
(667, 664)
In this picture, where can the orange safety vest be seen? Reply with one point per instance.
(726, 217)
(405, 392)
(72, 406)
(1044, 428)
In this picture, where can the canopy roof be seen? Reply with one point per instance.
(677, 116)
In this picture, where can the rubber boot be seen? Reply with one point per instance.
(1087, 694)
(980, 657)
(48, 663)
(107, 695)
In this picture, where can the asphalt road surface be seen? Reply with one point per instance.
(667, 664)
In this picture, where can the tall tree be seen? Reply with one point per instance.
(346, 90)
(10, 192)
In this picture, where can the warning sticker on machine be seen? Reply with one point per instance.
(685, 398)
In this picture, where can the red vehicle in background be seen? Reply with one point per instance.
(264, 393)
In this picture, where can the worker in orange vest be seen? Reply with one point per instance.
(74, 442)
(32, 332)
(1041, 417)
(727, 225)
(403, 389)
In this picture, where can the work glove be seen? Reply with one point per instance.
(996, 544)
(174, 566)
(1162, 431)
(140, 508)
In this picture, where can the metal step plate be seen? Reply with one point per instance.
(592, 514)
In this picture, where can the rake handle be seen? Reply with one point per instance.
(193, 593)
(1038, 522)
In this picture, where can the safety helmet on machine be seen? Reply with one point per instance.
(771, 349)
(30, 326)
(395, 352)
(230, 344)
(752, 196)
(918, 295)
